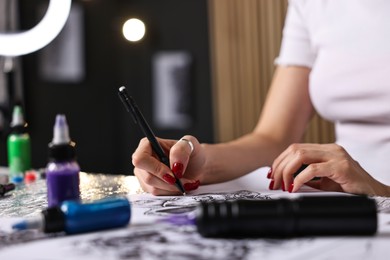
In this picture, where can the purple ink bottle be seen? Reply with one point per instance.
(62, 171)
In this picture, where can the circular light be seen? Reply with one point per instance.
(133, 30)
(15, 44)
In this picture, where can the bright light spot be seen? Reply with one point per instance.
(133, 30)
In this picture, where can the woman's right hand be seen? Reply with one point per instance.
(187, 163)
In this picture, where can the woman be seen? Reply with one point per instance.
(335, 59)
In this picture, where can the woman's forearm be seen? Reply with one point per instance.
(230, 160)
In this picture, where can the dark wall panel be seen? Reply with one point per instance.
(100, 126)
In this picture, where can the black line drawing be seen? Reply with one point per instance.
(185, 204)
(383, 204)
(161, 240)
(23, 236)
(164, 242)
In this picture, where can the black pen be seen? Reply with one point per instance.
(139, 119)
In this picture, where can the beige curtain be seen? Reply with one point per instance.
(245, 39)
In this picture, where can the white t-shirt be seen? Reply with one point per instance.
(346, 43)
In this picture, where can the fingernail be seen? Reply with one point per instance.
(191, 186)
(169, 178)
(271, 185)
(283, 188)
(177, 169)
(269, 173)
(290, 189)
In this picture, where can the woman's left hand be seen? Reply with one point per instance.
(337, 170)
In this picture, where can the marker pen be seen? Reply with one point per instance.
(139, 119)
(74, 217)
(305, 216)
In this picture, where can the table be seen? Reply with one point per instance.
(29, 199)
(147, 238)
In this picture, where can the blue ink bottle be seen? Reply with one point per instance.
(73, 217)
(18, 147)
(62, 170)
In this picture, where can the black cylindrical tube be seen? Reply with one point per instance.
(308, 215)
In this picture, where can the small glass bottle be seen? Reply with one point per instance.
(18, 147)
(62, 170)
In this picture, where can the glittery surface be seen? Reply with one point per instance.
(30, 199)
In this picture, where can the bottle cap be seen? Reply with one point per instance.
(60, 130)
(62, 152)
(18, 124)
(6, 188)
(61, 148)
(54, 220)
(30, 176)
(17, 116)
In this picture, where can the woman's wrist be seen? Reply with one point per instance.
(384, 191)
(217, 166)
(379, 189)
(206, 168)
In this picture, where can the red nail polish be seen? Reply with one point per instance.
(191, 186)
(291, 187)
(177, 169)
(283, 187)
(168, 178)
(269, 173)
(271, 185)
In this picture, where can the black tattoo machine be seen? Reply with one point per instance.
(303, 216)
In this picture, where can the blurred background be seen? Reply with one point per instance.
(202, 67)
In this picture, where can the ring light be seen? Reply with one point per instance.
(16, 44)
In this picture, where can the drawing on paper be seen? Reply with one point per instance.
(383, 204)
(161, 240)
(164, 242)
(185, 204)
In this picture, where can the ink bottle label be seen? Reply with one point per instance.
(19, 159)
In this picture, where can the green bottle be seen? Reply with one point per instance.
(18, 146)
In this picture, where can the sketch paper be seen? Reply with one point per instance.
(147, 238)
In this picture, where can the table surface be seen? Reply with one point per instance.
(145, 241)
(29, 199)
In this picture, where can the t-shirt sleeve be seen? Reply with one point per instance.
(296, 47)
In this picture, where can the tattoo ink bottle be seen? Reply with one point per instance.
(73, 217)
(62, 171)
(18, 146)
